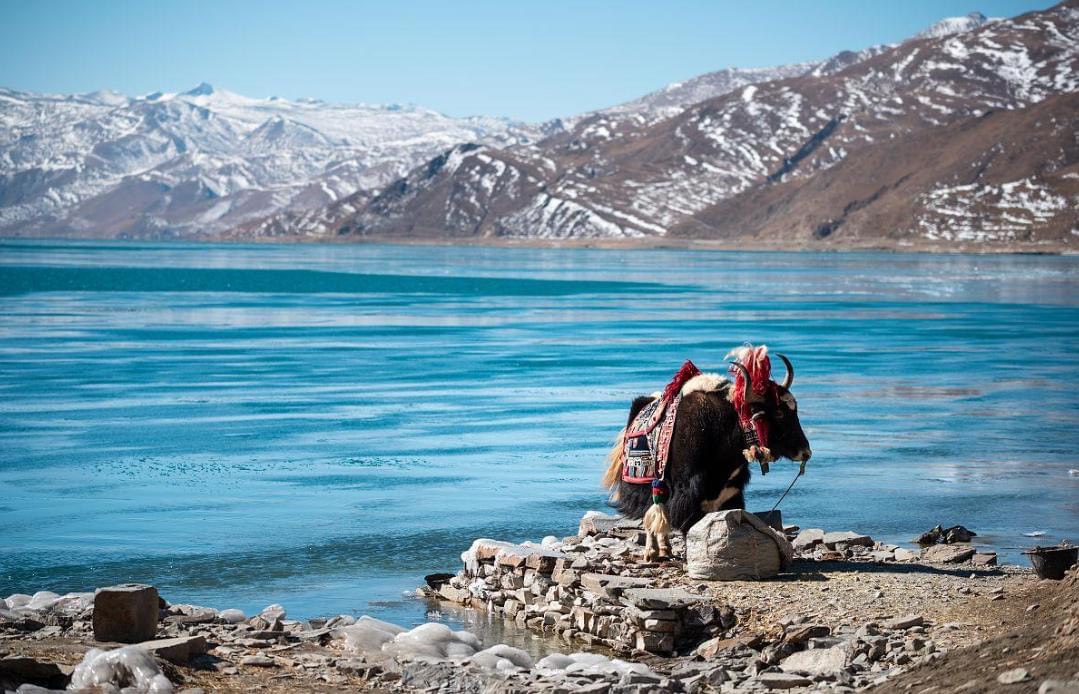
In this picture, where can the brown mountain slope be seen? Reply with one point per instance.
(1008, 177)
(607, 180)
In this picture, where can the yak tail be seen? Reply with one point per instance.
(656, 520)
(613, 475)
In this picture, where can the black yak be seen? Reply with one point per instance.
(720, 427)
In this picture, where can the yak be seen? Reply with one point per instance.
(708, 459)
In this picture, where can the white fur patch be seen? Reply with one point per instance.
(740, 353)
(789, 401)
(703, 383)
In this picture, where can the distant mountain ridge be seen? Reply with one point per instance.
(204, 160)
(776, 157)
(705, 173)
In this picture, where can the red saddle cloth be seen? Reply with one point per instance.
(648, 436)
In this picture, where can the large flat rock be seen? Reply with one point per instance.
(610, 585)
(178, 650)
(948, 554)
(659, 598)
(846, 537)
(817, 661)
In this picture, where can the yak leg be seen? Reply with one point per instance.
(650, 550)
(664, 543)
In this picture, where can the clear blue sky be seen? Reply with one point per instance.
(529, 59)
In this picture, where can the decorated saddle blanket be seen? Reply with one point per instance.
(648, 436)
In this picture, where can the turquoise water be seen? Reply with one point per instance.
(320, 426)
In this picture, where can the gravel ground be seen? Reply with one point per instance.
(894, 626)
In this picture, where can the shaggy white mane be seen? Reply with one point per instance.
(704, 383)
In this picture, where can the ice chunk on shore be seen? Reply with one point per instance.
(470, 556)
(589, 664)
(43, 599)
(503, 657)
(18, 600)
(368, 635)
(115, 670)
(373, 637)
(433, 640)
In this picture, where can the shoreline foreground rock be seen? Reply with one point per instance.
(847, 613)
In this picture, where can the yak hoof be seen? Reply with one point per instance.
(650, 555)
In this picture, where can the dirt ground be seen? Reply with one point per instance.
(1044, 640)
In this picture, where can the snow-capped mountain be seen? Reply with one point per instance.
(954, 25)
(898, 145)
(612, 176)
(204, 160)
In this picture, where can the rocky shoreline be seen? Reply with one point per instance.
(848, 614)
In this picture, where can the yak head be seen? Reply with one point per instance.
(771, 406)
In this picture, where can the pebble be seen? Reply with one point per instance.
(258, 661)
(1013, 676)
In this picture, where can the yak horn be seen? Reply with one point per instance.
(788, 380)
(747, 383)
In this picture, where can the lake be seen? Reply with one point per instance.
(322, 425)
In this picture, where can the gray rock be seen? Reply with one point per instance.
(126, 613)
(258, 661)
(782, 680)
(902, 554)
(819, 661)
(948, 554)
(594, 523)
(196, 616)
(458, 595)
(634, 677)
(847, 538)
(809, 538)
(984, 559)
(905, 622)
(659, 598)
(1014, 676)
(611, 586)
(1059, 687)
(735, 545)
(231, 616)
(178, 650)
(798, 634)
(655, 642)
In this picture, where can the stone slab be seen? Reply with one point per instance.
(178, 650)
(819, 661)
(610, 585)
(948, 554)
(808, 538)
(847, 538)
(659, 598)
